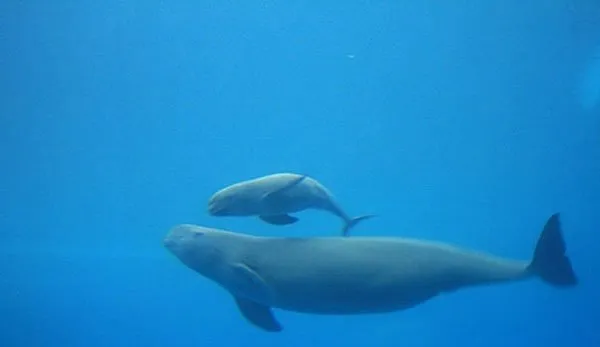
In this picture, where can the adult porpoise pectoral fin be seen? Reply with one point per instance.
(280, 219)
(258, 315)
(248, 281)
(272, 195)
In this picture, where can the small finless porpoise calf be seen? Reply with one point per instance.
(352, 275)
(274, 197)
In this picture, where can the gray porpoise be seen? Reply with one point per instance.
(274, 197)
(357, 275)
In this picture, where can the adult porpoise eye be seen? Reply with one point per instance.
(198, 233)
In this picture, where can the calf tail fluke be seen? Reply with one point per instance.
(350, 223)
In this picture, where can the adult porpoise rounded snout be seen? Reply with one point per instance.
(176, 236)
(170, 240)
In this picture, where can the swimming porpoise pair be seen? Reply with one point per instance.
(274, 197)
(357, 275)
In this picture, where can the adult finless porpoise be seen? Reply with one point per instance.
(274, 197)
(356, 275)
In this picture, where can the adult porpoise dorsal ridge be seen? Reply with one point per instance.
(359, 275)
(273, 199)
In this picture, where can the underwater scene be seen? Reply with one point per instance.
(299, 174)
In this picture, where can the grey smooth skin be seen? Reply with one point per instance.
(357, 275)
(274, 197)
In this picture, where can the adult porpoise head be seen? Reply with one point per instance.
(359, 275)
(274, 197)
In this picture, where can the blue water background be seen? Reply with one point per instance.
(454, 121)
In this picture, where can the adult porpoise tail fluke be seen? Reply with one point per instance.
(550, 261)
(352, 275)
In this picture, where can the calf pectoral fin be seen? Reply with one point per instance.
(280, 219)
(258, 315)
